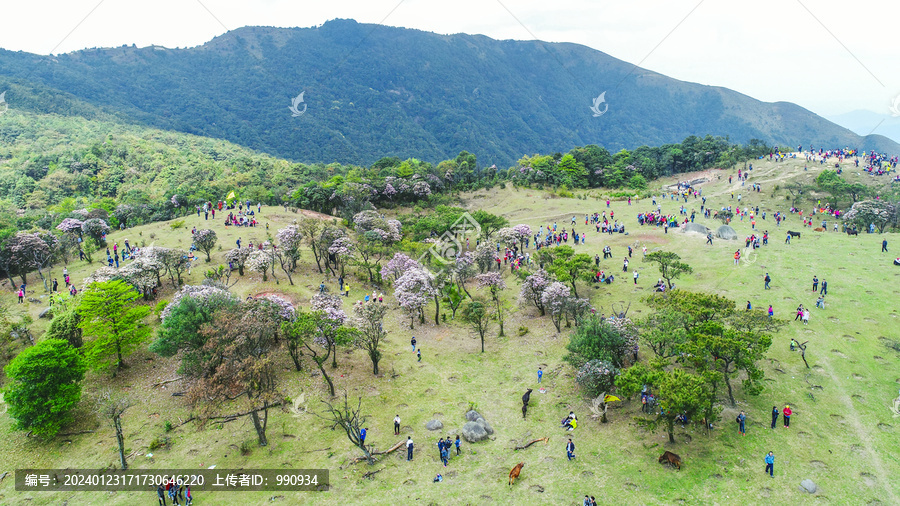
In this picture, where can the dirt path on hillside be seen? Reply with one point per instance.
(863, 436)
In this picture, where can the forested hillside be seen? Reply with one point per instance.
(373, 91)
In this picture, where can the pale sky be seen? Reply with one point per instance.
(829, 56)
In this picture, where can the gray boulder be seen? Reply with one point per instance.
(487, 426)
(474, 432)
(696, 228)
(472, 416)
(46, 313)
(434, 425)
(726, 232)
(808, 485)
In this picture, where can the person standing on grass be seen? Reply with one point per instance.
(587, 501)
(362, 435)
(737, 257)
(570, 449)
(774, 416)
(771, 311)
(770, 464)
(161, 494)
(741, 420)
(457, 444)
(824, 290)
(767, 280)
(786, 413)
(884, 246)
(635, 277)
(397, 425)
(540, 374)
(413, 342)
(419, 355)
(409, 448)
(815, 284)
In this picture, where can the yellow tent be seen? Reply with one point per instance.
(611, 398)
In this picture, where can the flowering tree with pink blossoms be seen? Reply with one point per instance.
(533, 289)
(398, 265)
(412, 290)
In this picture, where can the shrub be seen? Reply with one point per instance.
(168, 426)
(596, 377)
(523, 331)
(598, 339)
(160, 442)
(176, 224)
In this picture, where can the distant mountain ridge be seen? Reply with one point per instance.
(372, 91)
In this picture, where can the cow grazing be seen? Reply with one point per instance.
(515, 472)
(525, 399)
(818, 229)
(852, 231)
(794, 234)
(670, 458)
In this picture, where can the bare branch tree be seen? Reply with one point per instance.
(112, 408)
(351, 421)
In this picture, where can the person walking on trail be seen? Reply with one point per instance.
(413, 342)
(570, 449)
(774, 416)
(786, 413)
(397, 425)
(824, 290)
(409, 448)
(770, 464)
(741, 420)
(884, 246)
(768, 280)
(540, 374)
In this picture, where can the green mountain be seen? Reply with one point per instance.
(371, 91)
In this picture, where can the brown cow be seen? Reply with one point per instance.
(670, 458)
(515, 472)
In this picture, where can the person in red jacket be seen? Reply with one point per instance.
(786, 414)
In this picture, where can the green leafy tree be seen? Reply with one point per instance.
(112, 322)
(478, 315)
(568, 266)
(181, 329)
(678, 392)
(304, 336)
(597, 339)
(669, 264)
(44, 386)
(489, 223)
(65, 326)
(729, 352)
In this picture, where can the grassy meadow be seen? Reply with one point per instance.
(842, 434)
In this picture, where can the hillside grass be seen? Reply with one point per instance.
(842, 435)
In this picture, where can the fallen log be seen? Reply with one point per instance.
(389, 450)
(166, 382)
(370, 474)
(544, 439)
